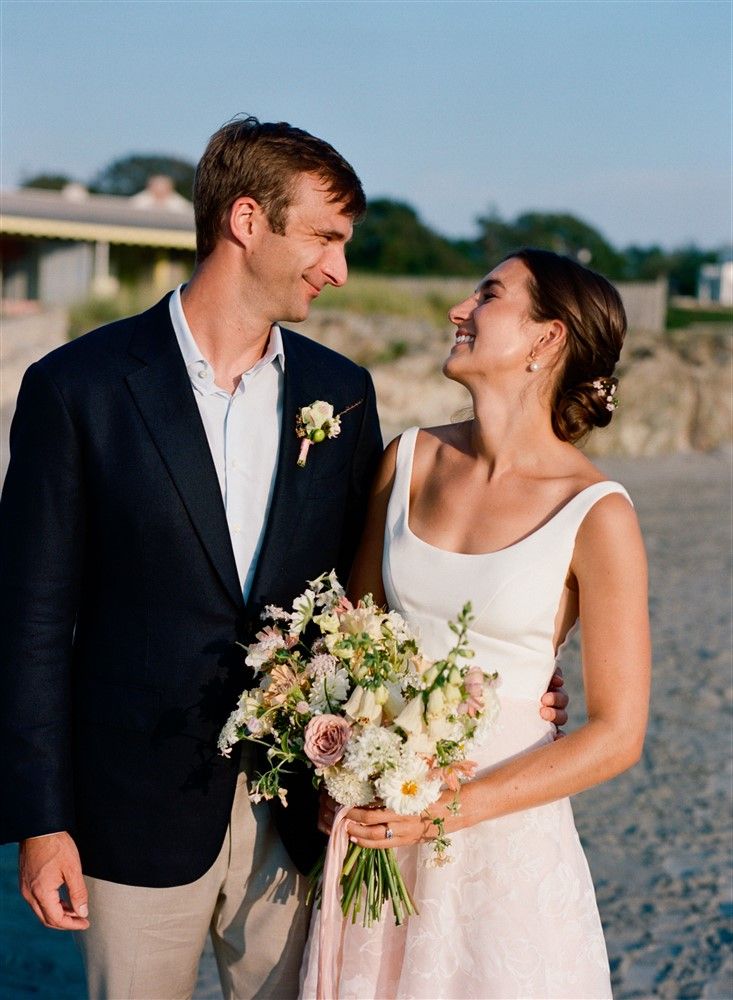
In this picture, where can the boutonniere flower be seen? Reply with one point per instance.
(315, 423)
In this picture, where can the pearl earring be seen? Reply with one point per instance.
(533, 366)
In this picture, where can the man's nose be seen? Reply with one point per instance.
(335, 268)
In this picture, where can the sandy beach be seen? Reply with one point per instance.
(658, 839)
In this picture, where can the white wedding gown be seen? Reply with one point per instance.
(515, 914)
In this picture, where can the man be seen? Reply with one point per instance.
(153, 505)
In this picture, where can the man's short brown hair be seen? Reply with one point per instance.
(262, 160)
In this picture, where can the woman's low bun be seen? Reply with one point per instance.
(582, 407)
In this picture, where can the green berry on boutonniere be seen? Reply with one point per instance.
(315, 423)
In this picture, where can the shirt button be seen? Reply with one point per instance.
(237, 528)
(203, 373)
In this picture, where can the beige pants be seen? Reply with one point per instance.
(145, 944)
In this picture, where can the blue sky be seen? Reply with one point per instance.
(619, 112)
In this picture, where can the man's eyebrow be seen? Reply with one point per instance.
(333, 234)
(490, 283)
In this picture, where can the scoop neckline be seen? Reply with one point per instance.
(493, 552)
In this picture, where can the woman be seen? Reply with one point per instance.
(504, 511)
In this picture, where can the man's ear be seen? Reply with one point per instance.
(246, 217)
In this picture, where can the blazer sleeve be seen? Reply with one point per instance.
(364, 465)
(41, 556)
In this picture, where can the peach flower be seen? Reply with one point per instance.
(474, 685)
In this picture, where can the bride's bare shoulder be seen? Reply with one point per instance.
(582, 472)
(432, 440)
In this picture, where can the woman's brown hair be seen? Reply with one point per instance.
(593, 314)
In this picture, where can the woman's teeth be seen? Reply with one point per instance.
(465, 338)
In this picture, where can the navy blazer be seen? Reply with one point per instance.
(120, 605)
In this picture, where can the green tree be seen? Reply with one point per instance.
(681, 267)
(128, 175)
(645, 263)
(684, 268)
(48, 182)
(561, 232)
(393, 240)
(496, 238)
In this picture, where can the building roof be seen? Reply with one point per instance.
(75, 214)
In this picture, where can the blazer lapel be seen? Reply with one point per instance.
(291, 482)
(163, 394)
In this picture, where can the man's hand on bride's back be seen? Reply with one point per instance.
(554, 703)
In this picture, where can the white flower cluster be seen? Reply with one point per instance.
(372, 751)
(378, 759)
(329, 691)
(268, 641)
(346, 788)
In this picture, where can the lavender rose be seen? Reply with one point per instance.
(326, 737)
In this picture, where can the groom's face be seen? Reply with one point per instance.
(293, 268)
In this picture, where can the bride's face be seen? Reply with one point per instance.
(494, 330)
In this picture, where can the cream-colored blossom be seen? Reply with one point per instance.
(327, 622)
(317, 414)
(411, 718)
(436, 703)
(362, 620)
(362, 706)
(303, 607)
(395, 701)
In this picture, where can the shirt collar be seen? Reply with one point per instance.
(199, 368)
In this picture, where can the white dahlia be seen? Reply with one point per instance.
(373, 750)
(346, 788)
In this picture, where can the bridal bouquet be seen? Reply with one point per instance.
(377, 721)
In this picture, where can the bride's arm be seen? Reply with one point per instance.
(366, 572)
(609, 565)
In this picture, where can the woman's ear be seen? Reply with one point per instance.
(551, 341)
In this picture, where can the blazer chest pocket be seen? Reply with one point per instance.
(116, 705)
(330, 480)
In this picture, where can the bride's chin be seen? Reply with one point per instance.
(452, 369)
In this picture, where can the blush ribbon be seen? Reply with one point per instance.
(331, 930)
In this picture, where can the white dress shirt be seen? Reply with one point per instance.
(243, 431)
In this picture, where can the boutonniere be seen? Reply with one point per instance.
(317, 422)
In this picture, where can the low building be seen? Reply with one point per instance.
(715, 284)
(62, 247)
